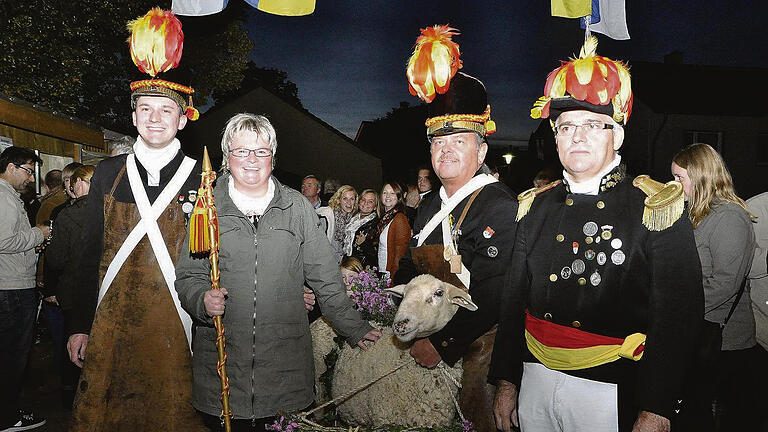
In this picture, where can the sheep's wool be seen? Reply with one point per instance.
(412, 396)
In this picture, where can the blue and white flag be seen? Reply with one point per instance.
(197, 7)
(609, 17)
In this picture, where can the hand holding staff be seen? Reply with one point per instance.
(204, 237)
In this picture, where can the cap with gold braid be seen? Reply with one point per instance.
(591, 83)
(457, 102)
(156, 44)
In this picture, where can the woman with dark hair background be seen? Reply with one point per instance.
(393, 229)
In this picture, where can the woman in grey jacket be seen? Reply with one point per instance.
(725, 240)
(271, 243)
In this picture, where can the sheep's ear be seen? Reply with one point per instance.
(460, 297)
(398, 290)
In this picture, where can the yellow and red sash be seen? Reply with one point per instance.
(565, 348)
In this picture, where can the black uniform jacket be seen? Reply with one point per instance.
(92, 240)
(485, 246)
(627, 280)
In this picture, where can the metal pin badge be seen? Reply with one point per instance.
(602, 258)
(488, 232)
(578, 266)
(617, 257)
(595, 278)
(606, 233)
(575, 246)
(590, 229)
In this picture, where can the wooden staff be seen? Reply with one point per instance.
(204, 237)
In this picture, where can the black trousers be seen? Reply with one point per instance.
(18, 309)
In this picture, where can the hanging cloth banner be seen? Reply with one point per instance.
(197, 7)
(571, 8)
(275, 7)
(284, 7)
(609, 17)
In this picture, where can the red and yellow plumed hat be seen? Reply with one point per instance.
(591, 83)
(156, 44)
(456, 102)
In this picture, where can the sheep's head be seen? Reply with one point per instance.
(427, 306)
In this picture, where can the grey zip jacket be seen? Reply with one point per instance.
(17, 241)
(264, 267)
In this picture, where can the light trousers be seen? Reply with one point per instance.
(552, 401)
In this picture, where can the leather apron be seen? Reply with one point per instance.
(138, 371)
(476, 395)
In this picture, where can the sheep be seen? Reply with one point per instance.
(413, 396)
(427, 306)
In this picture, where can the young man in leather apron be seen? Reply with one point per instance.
(129, 332)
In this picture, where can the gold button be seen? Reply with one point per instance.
(548, 316)
(553, 277)
(588, 240)
(560, 237)
(569, 202)
(600, 204)
(444, 344)
(576, 324)
(582, 281)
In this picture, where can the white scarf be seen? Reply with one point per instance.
(352, 227)
(250, 206)
(591, 186)
(153, 160)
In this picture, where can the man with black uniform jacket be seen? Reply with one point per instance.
(465, 229)
(604, 295)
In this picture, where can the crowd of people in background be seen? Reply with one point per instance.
(374, 227)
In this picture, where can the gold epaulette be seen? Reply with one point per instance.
(664, 205)
(525, 199)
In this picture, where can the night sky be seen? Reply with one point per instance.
(348, 58)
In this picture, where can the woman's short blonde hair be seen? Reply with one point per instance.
(247, 122)
(710, 181)
(335, 202)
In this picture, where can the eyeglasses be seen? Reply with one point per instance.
(29, 171)
(568, 129)
(243, 153)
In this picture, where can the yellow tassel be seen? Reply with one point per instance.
(199, 237)
(664, 204)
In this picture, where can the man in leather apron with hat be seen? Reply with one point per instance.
(464, 230)
(130, 334)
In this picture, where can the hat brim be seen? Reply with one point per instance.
(558, 106)
(443, 128)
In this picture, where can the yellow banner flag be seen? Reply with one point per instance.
(285, 7)
(570, 8)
